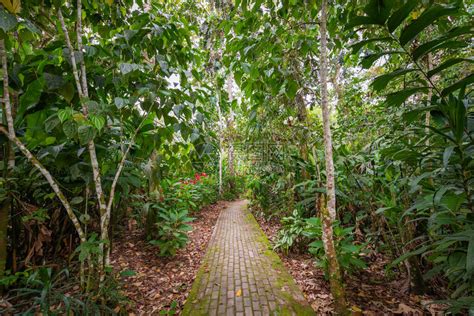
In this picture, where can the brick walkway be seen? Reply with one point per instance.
(241, 275)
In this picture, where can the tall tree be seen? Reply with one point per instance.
(328, 211)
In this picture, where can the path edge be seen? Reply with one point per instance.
(298, 306)
(201, 273)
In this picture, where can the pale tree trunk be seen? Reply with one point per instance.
(230, 125)
(328, 213)
(10, 133)
(82, 90)
(303, 146)
(221, 140)
(221, 158)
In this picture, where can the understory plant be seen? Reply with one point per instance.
(291, 235)
(171, 231)
(348, 252)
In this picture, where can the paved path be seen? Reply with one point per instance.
(241, 275)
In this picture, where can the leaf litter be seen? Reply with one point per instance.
(156, 284)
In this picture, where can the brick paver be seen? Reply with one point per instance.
(241, 275)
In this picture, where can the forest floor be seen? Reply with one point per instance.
(162, 284)
(369, 292)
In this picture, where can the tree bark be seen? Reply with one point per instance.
(328, 213)
(81, 85)
(10, 133)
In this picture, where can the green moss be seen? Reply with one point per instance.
(284, 279)
(193, 305)
(285, 286)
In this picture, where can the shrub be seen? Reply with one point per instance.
(291, 234)
(171, 230)
(348, 253)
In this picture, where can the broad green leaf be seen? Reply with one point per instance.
(382, 81)
(51, 123)
(397, 98)
(31, 96)
(440, 42)
(401, 14)
(370, 59)
(97, 121)
(67, 91)
(435, 45)
(7, 21)
(77, 200)
(357, 46)
(85, 134)
(447, 64)
(379, 10)
(65, 114)
(70, 128)
(426, 18)
(458, 85)
(361, 20)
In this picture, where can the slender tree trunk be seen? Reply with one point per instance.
(328, 213)
(10, 133)
(82, 90)
(230, 124)
(221, 141)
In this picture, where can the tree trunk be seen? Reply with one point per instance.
(230, 125)
(10, 133)
(328, 213)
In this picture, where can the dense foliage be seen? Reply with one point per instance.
(150, 110)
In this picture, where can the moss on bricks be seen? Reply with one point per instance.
(193, 305)
(285, 285)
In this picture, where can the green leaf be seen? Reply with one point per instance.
(448, 151)
(128, 272)
(426, 18)
(447, 64)
(379, 10)
(357, 46)
(440, 42)
(70, 128)
(120, 102)
(382, 81)
(397, 98)
(31, 96)
(461, 83)
(7, 20)
(97, 121)
(65, 114)
(435, 45)
(77, 200)
(51, 123)
(85, 134)
(401, 14)
(470, 257)
(67, 91)
(361, 20)
(368, 60)
(292, 88)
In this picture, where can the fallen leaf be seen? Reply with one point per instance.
(238, 293)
